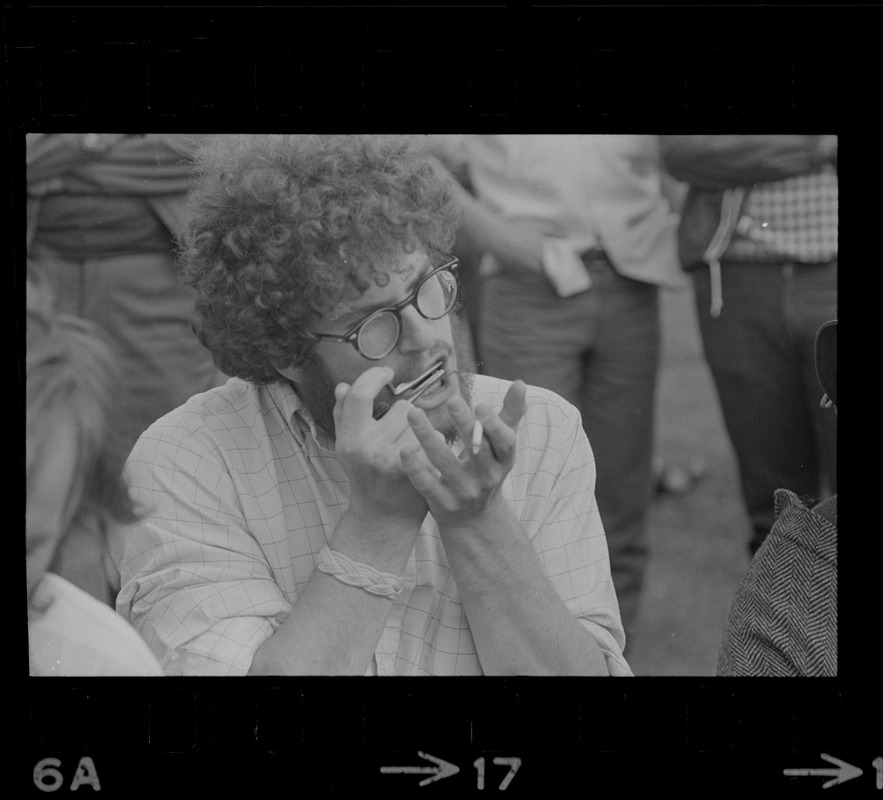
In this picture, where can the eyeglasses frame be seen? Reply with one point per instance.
(352, 334)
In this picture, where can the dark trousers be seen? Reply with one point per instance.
(600, 351)
(760, 352)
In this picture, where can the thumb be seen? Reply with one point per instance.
(514, 404)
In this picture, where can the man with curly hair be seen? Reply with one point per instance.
(318, 515)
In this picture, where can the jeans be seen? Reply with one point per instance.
(600, 351)
(760, 353)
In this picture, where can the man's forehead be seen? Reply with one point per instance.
(386, 281)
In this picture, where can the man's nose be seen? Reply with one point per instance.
(418, 333)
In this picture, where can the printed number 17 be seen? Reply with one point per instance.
(513, 764)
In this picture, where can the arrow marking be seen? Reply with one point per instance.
(844, 772)
(443, 769)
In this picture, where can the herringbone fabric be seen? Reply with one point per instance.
(783, 621)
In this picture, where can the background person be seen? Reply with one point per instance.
(74, 491)
(575, 238)
(783, 621)
(104, 212)
(758, 234)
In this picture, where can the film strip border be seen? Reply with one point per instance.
(484, 64)
(228, 737)
(67, 83)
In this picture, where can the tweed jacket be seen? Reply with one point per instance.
(783, 621)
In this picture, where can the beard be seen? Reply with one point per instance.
(316, 388)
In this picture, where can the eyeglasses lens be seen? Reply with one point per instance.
(435, 298)
(379, 335)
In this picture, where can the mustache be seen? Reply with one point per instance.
(439, 366)
(442, 356)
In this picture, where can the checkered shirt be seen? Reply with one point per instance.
(789, 220)
(242, 491)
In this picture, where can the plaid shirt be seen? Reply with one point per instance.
(789, 220)
(242, 491)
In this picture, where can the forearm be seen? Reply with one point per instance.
(519, 623)
(119, 164)
(333, 628)
(721, 161)
(53, 155)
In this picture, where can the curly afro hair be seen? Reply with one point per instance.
(287, 227)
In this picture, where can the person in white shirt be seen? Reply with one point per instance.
(575, 237)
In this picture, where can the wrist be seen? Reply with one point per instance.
(496, 523)
(490, 547)
(384, 542)
(355, 573)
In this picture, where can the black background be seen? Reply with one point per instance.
(685, 69)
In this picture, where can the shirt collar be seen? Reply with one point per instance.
(301, 422)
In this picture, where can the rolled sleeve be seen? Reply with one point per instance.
(564, 525)
(717, 162)
(195, 582)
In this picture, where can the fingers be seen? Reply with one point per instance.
(500, 430)
(423, 476)
(340, 392)
(431, 440)
(514, 404)
(464, 421)
(499, 438)
(355, 404)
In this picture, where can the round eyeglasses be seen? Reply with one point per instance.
(378, 334)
